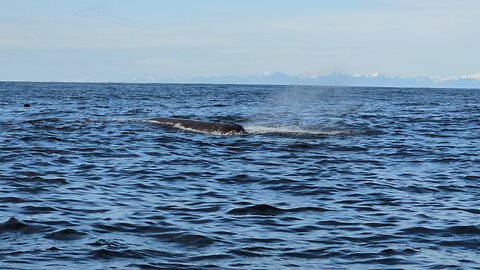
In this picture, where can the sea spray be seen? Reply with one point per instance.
(306, 108)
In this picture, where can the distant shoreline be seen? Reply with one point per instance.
(250, 84)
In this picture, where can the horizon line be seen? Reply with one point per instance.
(245, 84)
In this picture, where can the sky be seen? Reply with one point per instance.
(176, 40)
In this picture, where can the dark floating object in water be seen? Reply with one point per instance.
(26, 105)
(208, 127)
(259, 209)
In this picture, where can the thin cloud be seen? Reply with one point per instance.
(186, 39)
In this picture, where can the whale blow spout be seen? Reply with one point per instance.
(200, 126)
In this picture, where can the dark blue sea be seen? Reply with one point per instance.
(325, 178)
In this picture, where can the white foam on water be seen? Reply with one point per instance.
(179, 126)
(130, 120)
(296, 131)
(152, 121)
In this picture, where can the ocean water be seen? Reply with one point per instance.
(326, 178)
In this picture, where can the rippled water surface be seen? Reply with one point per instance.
(326, 178)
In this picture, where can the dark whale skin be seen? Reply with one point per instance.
(210, 127)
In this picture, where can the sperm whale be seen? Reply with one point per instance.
(200, 126)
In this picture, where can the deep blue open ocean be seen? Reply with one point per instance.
(326, 178)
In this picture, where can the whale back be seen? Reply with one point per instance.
(208, 127)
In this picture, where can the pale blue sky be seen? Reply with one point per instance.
(119, 40)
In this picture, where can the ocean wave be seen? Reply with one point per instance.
(95, 183)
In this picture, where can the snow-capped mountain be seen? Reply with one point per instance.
(340, 79)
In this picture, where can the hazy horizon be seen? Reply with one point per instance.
(333, 79)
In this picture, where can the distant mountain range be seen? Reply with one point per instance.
(339, 79)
